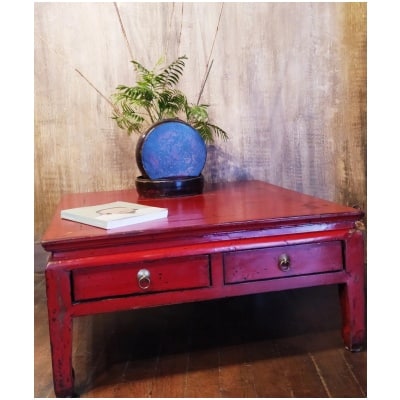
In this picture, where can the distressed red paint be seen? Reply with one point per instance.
(229, 241)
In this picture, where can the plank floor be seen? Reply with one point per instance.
(283, 344)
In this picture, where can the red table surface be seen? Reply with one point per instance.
(222, 207)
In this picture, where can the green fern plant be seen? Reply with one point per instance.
(155, 97)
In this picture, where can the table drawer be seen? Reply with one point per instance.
(139, 278)
(277, 262)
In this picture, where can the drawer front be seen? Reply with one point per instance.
(278, 262)
(139, 278)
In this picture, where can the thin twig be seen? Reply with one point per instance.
(180, 31)
(215, 35)
(97, 90)
(209, 57)
(123, 30)
(66, 62)
(204, 82)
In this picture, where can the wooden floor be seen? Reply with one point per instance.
(284, 344)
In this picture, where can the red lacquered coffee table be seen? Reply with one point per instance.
(234, 239)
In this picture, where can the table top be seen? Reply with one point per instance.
(226, 207)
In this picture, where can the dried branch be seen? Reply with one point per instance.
(208, 68)
(123, 31)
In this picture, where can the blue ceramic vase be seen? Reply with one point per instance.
(171, 154)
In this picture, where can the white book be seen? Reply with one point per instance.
(114, 215)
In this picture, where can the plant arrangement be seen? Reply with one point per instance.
(155, 97)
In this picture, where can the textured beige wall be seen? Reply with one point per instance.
(288, 83)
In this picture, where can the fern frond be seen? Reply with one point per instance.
(171, 102)
(197, 113)
(131, 122)
(172, 73)
(219, 131)
(140, 68)
(205, 131)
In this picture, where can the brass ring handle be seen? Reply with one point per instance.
(284, 262)
(143, 277)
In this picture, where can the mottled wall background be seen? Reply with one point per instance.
(288, 83)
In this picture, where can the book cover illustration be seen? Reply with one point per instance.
(114, 215)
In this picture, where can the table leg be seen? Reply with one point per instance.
(60, 329)
(352, 294)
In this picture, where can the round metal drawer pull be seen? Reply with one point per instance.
(143, 277)
(284, 262)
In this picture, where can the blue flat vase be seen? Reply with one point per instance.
(169, 149)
